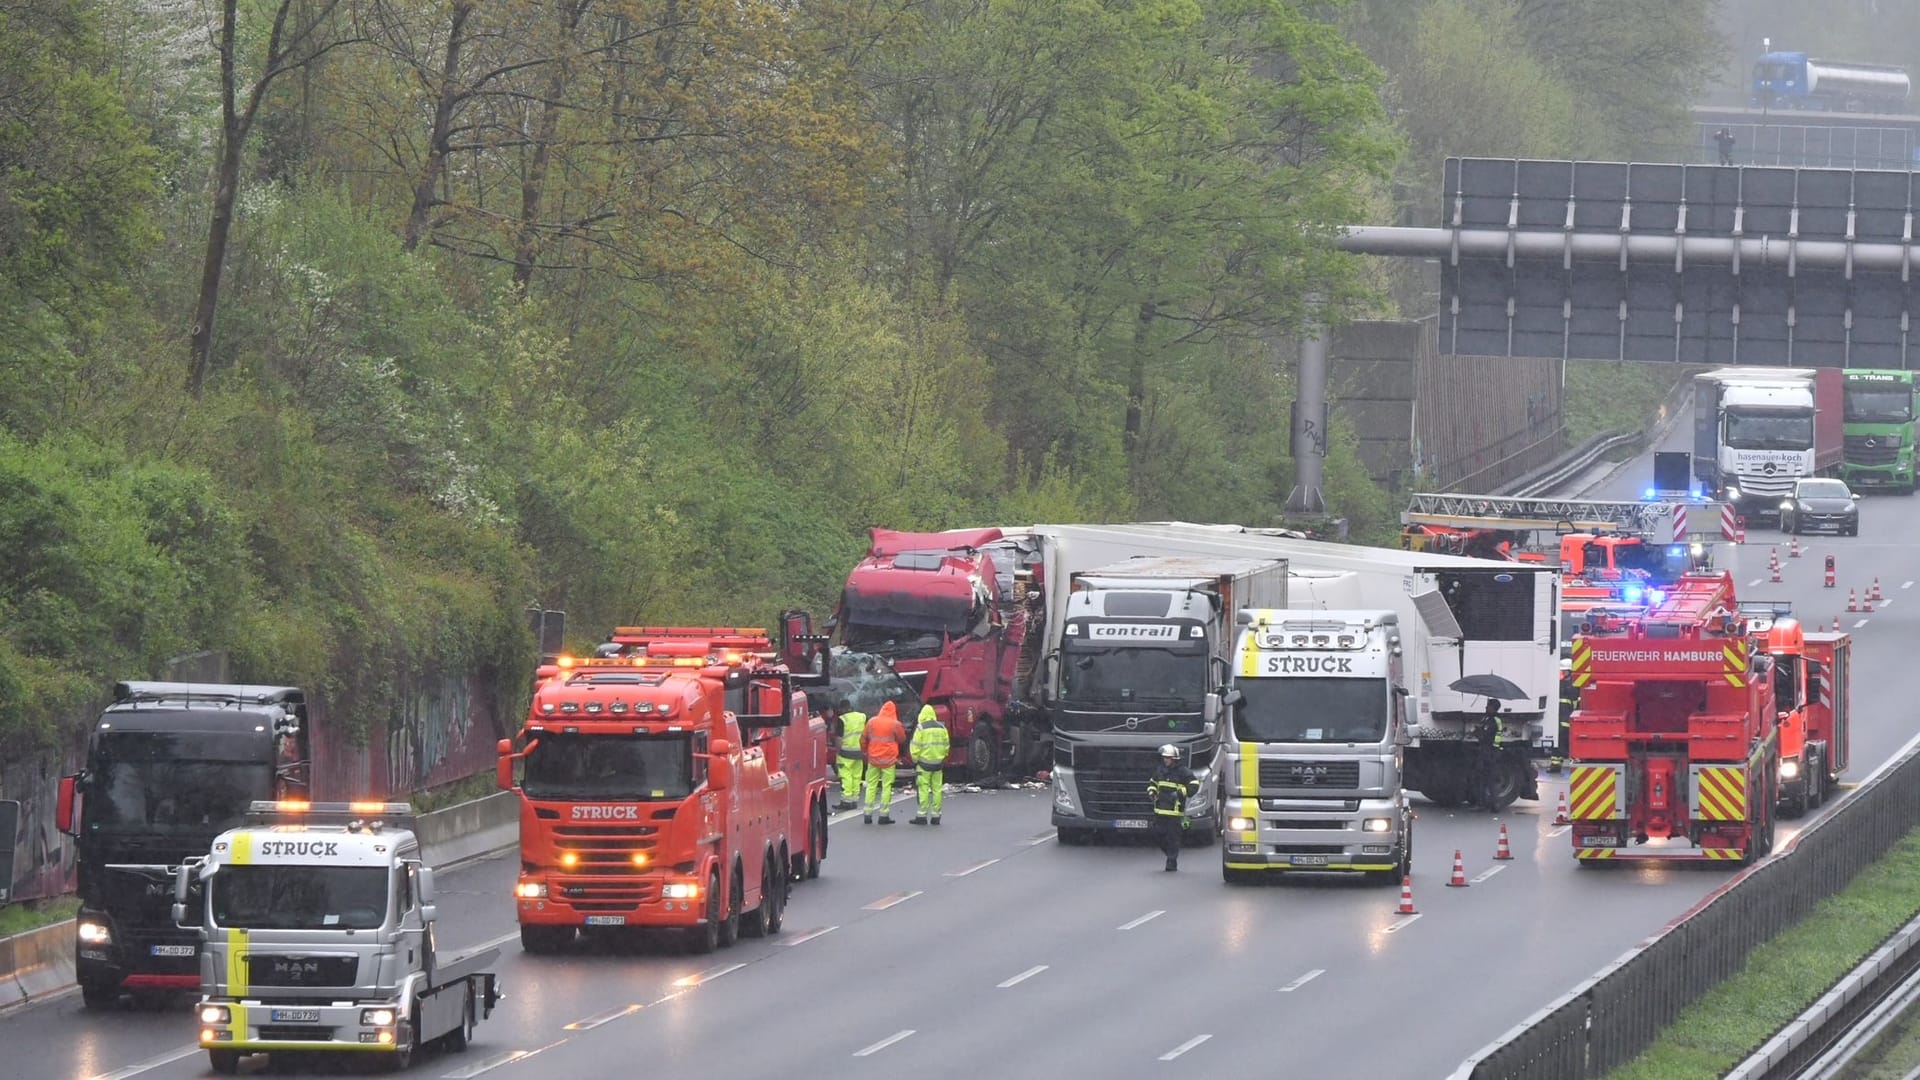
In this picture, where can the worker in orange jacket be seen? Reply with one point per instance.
(884, 741)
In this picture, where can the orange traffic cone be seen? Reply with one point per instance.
(1877, 594)
(1773, 556)
(1794, 551)
(1560, 815)
(1503, 851)
(1836, 624)
(1866, 603)
(1853, 605)
(1406, 897)
(1776, 573)
(1459, 878)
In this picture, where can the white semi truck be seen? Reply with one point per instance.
(1317, 715)
(1757, 430)
(1142, 649)
(317, 926)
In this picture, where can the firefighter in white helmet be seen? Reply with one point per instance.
(1169, 788)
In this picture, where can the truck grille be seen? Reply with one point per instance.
(1871, 450)
(1113, 780)
(604, 897)
(1309, 849)
(291, 1033)
(1308, 773)
(608, 849)
(302, 970)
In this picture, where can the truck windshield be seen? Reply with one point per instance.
(169, 782)
(1313, 710)
(300, 897)
(1769, 430)
(1879, 406)
(609, 767)
(1134, 676)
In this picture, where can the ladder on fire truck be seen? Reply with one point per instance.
(1662, 521)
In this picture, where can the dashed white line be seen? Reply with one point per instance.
(609, 1017)
(1147, 918)
(493, 944)
(1860, 624)
(1303, 980)
(1906, 584)
(489, 1064)
(810, 935)
(971, 869)
(1404, 922)
(151, 1063)
(1023, 976)
(1041, 839)
(884, 1043)
(707, 976)
(886, 902)
(1184, 1047)
(1886, 603)
(1487, 873)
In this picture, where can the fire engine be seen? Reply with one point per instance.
(1675, 738)
(678, 782)
(1596, 542)
(1811, 701)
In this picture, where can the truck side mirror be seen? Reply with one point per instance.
(720, 765)
(1210, 709)
(1050, 678)
(182, 883)
(428, 913)
(63, 809)
(1232, 696)
(503, 767)
(424, 878)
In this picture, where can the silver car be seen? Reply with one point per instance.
(1817, 504)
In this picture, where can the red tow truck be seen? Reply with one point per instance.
(678, 782)
(1675, 739)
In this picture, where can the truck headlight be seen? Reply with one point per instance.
(376, 1017)
(680, 890)
(1063, 794)
(214, 1014)
(1733, 493)
(95, 933)
(1786, 504)
(1377, 824)
(1789, 769)
(1242, 824)
(531, 890)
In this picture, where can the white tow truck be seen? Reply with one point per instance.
(317, 935)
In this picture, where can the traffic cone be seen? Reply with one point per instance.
(1866, 603)
(1776, 573)
(1853, 605)
(1406, 897)
(1773, 557)
(1504, 851)
(1560, 814)
(1794, 551)
(1877, 594)
(1459, 878)
(1836, 624)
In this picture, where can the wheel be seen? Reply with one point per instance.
(1796, 806)
(402, 1057)
(706, 937)
(736, 899)
(817, 840)
(457, 1040)
(1073, 837)
(540, 940)
(777, 915)
(1238, 877)
(980, 760)
(1500, 785)
(1816, 779)
(754, 923)
(99, 995)
(224, 1062)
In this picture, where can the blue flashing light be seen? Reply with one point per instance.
(1631, 594)
(1650, 493)
(1677, 549)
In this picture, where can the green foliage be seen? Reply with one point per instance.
(1609, 396)
(19, 918)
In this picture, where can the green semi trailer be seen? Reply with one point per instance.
(1879, 430)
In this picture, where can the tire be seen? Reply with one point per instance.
(777, 915)
(98, 996)
(705, 938)
(1816, 780)
(1238, 877)
(753, 924)
(736, 898)
(457, 1040)
(544, 940)
(817, 841)
(224, 1062)
(981, 765)
(1073, 837)
(1796, 806)
(402, 1057)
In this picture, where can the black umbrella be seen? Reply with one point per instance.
(1493, 686)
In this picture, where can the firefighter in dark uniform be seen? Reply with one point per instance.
(1569, 701)
(1169, 788)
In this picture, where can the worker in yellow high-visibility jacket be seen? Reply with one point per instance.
(853, 759)
(929, 748)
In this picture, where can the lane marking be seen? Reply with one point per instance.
(1560, 830)
(485, 945)
(884, 1043)
(809, 936)
(1487, 873)
(1754, 582)
(1860, 624)
(707, 976)
(1405, 921)
(494, 1062)
(1887, 603)
(1184, 1047)
(1906, 584)
(1041, 839)
(1024, 976)
(1147, 918)
(151, 1063)
(886, 902)
(849, 815)
(970, 869)
(609, 1017)
(1303, 980)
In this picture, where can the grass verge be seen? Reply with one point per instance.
(473, 787)
(34, 914)
(1613, 395)
(1787, 974)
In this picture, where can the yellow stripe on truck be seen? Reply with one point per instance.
(237, 963)
(1250, 770)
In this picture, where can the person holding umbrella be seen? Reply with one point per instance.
(1500, 762)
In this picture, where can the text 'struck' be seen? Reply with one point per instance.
(168, 767)
(673, 787)
(318, 928)
(1880, 430)
(1144, 643)
(1310, 769)
(1756, 430)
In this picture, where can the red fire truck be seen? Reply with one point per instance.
(678, 784)
(1814, 736)
(1674, 739)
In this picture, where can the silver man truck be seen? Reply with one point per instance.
(316, 922)
(1310, 766)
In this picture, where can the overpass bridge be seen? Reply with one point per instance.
(1795, 137)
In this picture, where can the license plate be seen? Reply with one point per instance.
(1130, 823)
(1600, 841)
(606, 920)
(1309, 860)
(175, 950)
(296, 1016)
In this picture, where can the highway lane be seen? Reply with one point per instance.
(916, 930)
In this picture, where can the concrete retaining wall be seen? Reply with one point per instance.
(40, 962)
